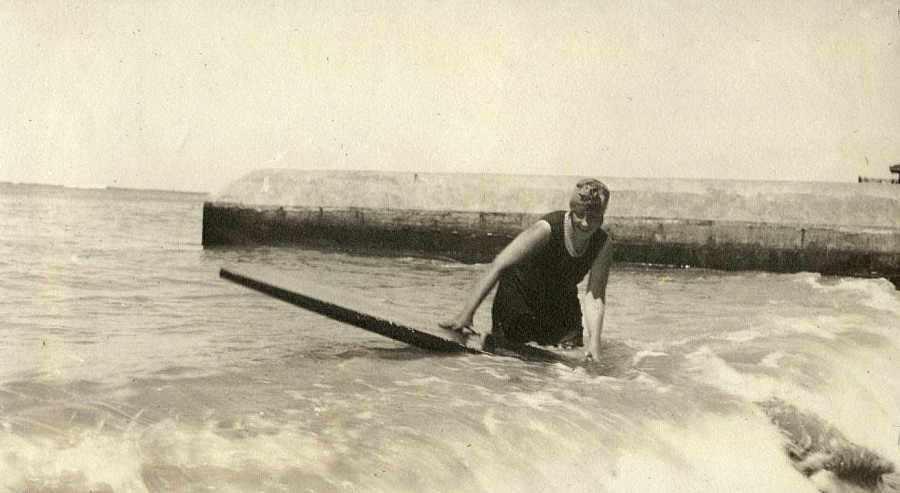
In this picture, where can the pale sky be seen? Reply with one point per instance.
(190, 95)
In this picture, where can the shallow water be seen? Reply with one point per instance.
(128, 365)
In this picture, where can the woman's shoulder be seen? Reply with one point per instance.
(554, 214)
(554, 218)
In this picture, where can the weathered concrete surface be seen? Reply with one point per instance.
(835, 228)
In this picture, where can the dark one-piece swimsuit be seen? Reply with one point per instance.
(537, 299)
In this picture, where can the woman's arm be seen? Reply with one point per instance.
(594, 301)
(520, 248)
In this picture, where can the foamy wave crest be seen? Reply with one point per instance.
(715, 371)
(89, 461)
(834, 459)
(734, 453)
(253, 455)
(815, 446)
(874, 293)
(825, 326)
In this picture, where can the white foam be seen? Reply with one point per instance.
(538, 400)
(863, 398)
(641, 355)
(90, 459)
(874, 293)
(824, 326)
(736, 453)
(860, 394)
(712, 369)
(643, 378)
(771, 360)
(421, 382)
(743, 335)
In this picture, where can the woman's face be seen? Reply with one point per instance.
(585, 221)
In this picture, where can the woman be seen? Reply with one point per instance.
(539, 272)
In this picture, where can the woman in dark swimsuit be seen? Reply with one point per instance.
(538, 275)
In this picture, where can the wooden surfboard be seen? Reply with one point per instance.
(366, 313)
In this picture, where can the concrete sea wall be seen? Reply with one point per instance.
(832, 228)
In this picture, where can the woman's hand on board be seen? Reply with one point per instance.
(461, 324)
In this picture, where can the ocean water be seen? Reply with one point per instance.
(126, 364)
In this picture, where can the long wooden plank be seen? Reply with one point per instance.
(366, 314)
(321, 300)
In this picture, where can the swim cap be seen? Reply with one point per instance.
(590, 196)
